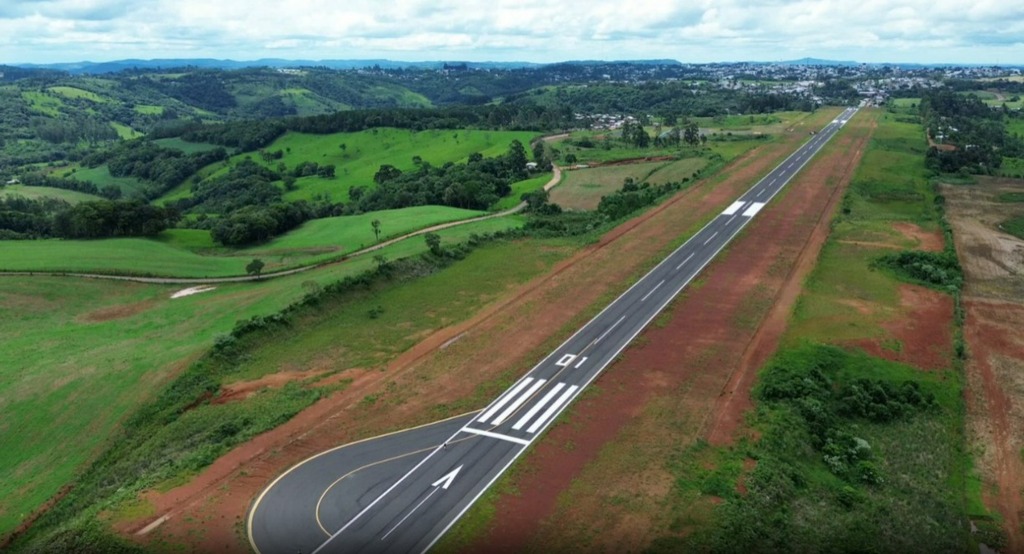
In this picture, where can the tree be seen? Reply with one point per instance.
(386, 173)
(254, 267)
(433, 241)
(376, 228)
(570, 158)
(691, 134)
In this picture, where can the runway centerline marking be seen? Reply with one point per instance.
(681, 264)
(649, 293)
(579, 363)
(712, 237)
(609, 330)
(498, 436)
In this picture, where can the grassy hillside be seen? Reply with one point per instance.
(363, 154)
(179, 254)
(80, 355)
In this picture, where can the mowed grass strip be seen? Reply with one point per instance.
(80, 355)
(315, 241)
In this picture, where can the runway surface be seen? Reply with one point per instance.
(402, 492)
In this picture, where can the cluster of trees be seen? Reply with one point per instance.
(474, 185)
(252, 135)
(253, 224)
(976, 131)
(164, 168)
(632, 196)
(22, 218)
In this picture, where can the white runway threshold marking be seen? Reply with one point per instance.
(519, 401)
(753, 209)
(552, 410)
(538, 406)
(504, 400)
(735, 207)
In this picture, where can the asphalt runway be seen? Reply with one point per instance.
(402, 492)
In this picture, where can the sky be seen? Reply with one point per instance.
(696, 31)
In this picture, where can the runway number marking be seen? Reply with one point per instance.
(579, 363)
(566, 360)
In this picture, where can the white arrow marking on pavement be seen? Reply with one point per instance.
(447, 479)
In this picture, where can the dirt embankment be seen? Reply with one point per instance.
(600, 481)
(993, 264)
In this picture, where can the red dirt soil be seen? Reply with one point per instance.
(993, 333)
(703, 357)
(208, 513)
(926, 240)
(922, 328)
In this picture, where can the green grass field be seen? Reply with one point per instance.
(519, 189)
(148, 109)
(75, 93)
(365, 152)
(70, 196)
(80, 355)
(43, 103)
(1014, 226)
(125, 132)
(181, 253)
(906, 102)
(677, 171)
(101, 177)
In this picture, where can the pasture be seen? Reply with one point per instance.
(182, 253)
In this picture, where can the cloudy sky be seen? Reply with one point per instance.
(927, 31)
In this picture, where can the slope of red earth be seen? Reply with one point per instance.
(993, 264)
(451, 365)
(598, 481)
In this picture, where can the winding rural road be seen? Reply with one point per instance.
(555, 178)
(402, 492)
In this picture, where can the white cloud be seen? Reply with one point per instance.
(535, 30)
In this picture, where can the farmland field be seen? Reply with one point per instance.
(73, 92)
(313, 242)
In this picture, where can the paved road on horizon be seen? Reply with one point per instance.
(402, 492)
